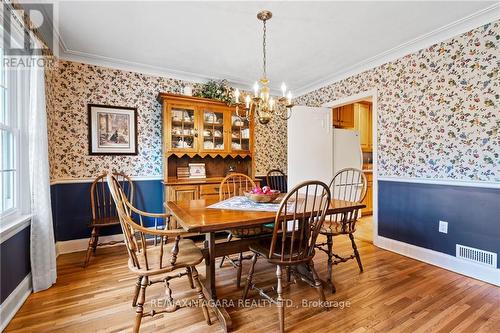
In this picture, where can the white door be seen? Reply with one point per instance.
(310, 145)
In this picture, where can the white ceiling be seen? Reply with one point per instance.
(308, 42)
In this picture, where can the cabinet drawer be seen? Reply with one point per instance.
(210, 196)
(209, 189)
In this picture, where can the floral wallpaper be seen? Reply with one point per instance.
(70, 86)
(438, 109)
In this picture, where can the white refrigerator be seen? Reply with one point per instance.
(316, 150)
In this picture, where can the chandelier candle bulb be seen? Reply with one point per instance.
(256, 89)
(237, 95)
(271, 104)
(283, 89)
(247, 101)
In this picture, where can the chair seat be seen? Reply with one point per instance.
(105, 221)
(263, 247)
(336, 228)
(189, 255)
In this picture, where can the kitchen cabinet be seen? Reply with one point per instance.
(356, 116)
(343, 116)
(368, 201)
(363, 124)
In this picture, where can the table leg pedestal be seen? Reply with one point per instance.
(209, 285)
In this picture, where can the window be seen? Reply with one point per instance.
(8, 144)
(14, 170)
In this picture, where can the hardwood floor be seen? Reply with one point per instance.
(394, 294)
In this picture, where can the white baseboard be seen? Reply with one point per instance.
(77, 245)
(14, 301)
(446, 261)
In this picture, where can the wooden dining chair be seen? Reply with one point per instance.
(103, 209)
(348, 184)
(235, 185)
(151, 263)
(297, 224)
(277, 180)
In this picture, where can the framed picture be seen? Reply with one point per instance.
(112, 130)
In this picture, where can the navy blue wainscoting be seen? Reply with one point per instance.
(410, 213)
(71, 207)
(15, 262)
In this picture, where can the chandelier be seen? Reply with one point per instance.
(262, 105)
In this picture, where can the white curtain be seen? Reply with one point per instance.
(43, 251)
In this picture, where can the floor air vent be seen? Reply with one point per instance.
(478, 256)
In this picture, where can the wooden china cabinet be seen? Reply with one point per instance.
(201, 130)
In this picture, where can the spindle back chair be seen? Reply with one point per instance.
(148, 259)
(297, 224)
(350, 185)
(232, 185)
(277, 180)
(103, 209)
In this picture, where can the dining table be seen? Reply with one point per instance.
(201, 217)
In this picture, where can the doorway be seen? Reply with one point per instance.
(359, 113)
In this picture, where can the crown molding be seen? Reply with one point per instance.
(125, 65)
(456, 28)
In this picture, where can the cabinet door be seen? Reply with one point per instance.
(212, 129)
(181, 124)
(183, 192)
(368, 201)
(240, 134)
(362, 124)
(336, 117)
(370, 129)
(347, 116)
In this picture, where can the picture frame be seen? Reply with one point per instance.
(112, 130)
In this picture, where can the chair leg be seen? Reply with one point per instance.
(356, 253)
(96, 239)
(140, 304)
(90, 247)
(279, 300)
(201, 296)
(190, 277)
(240, 268)
(229, 237)
(250, 276)
(329, 281)
(318, 285)
(137, 289)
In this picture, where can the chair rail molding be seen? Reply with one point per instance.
(437, 181)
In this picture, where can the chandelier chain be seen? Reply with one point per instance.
(264, 51)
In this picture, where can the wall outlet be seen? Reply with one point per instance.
(443, 227)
